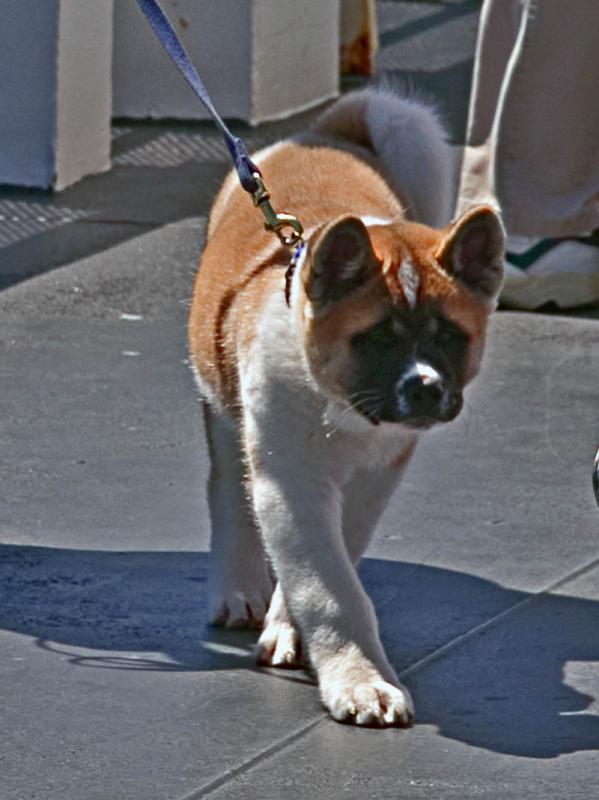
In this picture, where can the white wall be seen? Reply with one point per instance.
(84, 90)
(217, 36)
(55, 92)
(28, 44)
(295, 56)
(260, 59)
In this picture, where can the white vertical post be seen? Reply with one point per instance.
(295, 56)
(260, 59)
(55, 90)
(84, 89)
(217, 36)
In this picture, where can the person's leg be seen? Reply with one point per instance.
(532, 145)
(497, 34)
(542, 141)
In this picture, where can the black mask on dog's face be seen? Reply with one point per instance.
(409, 368)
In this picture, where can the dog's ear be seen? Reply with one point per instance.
(342, 260)
(473, 251)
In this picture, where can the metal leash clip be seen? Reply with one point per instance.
(275, 221)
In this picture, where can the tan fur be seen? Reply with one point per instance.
(242, 262)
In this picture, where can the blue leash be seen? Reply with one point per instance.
(250, 176)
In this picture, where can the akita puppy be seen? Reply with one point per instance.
(314, 409)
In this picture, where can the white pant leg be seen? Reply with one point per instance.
(533, 133)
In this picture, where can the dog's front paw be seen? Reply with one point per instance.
(373, 703)
(280, 646)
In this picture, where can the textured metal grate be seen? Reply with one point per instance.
(118, 131)
(20, 219)
(171, 149)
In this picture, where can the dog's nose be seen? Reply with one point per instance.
(423, 397)
(421, 392)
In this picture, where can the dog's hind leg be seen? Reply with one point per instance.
(240, 583)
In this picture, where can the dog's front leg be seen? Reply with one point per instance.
(300, 513)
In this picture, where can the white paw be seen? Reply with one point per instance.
(240, 608)
(375, 703)
(280, 646)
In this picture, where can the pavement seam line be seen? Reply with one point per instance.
(250, 763)
(253, 761)
(489, 623)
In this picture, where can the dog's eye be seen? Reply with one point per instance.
(449, 336)
(432, 327)
(398, 328)
(381, 335)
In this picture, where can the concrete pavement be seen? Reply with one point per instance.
(484, 571)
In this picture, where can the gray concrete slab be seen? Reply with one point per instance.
(510, 712)
(106, 659)
(125, 721)
(149, 275)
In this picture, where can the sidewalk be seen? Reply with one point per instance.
(112, 686)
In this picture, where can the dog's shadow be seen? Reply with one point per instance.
(505, 688)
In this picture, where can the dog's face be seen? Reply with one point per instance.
(409, 367)
(394, 316)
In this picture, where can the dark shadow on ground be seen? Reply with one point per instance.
(504, 691)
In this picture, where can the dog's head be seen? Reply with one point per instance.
(394, 316)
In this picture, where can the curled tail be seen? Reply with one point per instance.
(409, 141)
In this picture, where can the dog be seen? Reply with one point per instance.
(313, 410)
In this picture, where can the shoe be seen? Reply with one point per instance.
(560, 272)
